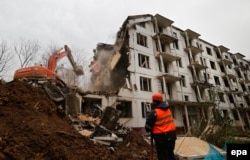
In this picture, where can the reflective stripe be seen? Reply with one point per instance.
(167, 116)
(164, 121)
(167, 122)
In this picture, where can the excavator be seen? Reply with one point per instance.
(47, 77)
(36, 72)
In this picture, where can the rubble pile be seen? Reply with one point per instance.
(34, 127)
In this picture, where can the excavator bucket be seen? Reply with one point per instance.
(78, 70)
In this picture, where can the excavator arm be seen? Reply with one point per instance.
(38, 71)
(56, 56)
(77, 68)
(59, 54)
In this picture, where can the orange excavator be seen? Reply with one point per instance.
(36, 72)
(47, 78)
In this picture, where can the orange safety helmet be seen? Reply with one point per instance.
(157, 96)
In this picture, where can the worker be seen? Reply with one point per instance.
(160, 123)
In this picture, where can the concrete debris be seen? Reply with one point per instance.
(103, 129)
(34, 127)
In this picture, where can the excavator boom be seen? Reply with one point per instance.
(50, 71)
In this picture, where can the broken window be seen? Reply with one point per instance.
(145, 84)
(176, 44)
(141, 40)
(217, 80)
(231, 99)
(183, 81)
(235, 114)
(127, 84)
(142, 24)
(179, 63)
(126, 108)
(209, 51)
(143, 61)
(226, 82)
(145, 108)
(225, 113)
(217, 54)
(92, 107)
(221, 97)
(212, 64)
(175, 35)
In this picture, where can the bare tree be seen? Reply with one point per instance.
(26, 50)
(48, 51)
(5, 59)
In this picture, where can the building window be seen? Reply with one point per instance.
(209, 51)
(127, 84)
(186, 98)
(218, 54)
(175, 35)
(141, 40)
(145, 84)
(217, 80)
(145, 108)
(221, 97)
(126, 108)
(176, 44)
(142, 24)
(212, 64)
(179, 63)
(235, 114)
(183, 81)
(143, 61)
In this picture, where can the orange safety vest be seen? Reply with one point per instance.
(164, 121)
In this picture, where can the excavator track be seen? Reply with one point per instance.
(54, 92)
(55, 88)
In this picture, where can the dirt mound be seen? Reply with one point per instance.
(33, 127)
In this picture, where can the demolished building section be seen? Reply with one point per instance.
(155, 56)
(104, 76)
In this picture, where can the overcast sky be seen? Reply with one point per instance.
(83, 23)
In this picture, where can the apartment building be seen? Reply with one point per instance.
(194, 75)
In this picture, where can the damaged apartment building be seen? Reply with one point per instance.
(152, 55)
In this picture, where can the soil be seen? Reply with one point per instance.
(33, 127)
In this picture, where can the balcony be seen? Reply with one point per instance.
(167, 57)
(225, 61)
(222, 49)
(201, 84)
(191, 34)
(234, 90)
(164, 38)
(194, 50)
(238, 55)
(162, 21)
(243, 67)
(241, 80)
(198, 66)
(229, 73)
(171, 78)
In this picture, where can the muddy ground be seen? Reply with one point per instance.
(33, 127)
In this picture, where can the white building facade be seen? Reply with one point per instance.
(193, 75)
